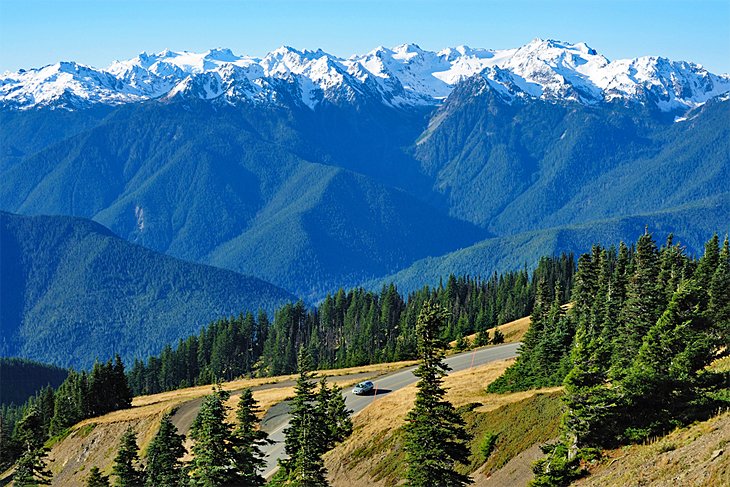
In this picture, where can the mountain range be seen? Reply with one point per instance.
(405, 75)
(312, 172)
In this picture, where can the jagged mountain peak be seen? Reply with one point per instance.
(404, 75)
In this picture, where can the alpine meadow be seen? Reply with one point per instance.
(419, 267)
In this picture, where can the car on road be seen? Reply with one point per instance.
(363, 388)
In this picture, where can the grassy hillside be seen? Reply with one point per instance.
(693, 456)
(374, 454)
(94, 442)
(72, 292)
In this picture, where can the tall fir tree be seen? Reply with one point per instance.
(718, 307)
(709, 261)
(127, 468)
(305, 437)
(212, 463)
(668, 381)
(164, 453)
(664, 383)
(436, 438)
(333, 411)
(30, 469)
(248, 441)
(307, 467)
(645, 301)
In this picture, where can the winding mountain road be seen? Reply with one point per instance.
(384, 385)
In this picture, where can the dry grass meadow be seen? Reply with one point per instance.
(93, 442)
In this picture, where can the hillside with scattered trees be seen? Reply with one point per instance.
(633, 351)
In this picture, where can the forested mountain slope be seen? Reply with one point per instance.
(514, 166)
(690, 225)
(229, 194)
(72, 292)
(315, 172)
(22, 378)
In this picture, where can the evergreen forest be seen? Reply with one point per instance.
(633, 351)
(349, 328)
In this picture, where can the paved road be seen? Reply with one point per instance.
(185, 413)
(385, 385)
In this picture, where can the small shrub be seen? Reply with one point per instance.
(481, 339)
(486, 447)
(462, 410)
(498, 337)
(667, 447)
(462, 343)
(85, 430)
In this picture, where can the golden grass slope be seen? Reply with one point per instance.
(94, 441)
(697, 455)
(373, 454)
(513, 331)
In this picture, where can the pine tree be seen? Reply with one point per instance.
(307, 467)
(30, 468)
(248, 440)
(718, 308)
(127, 469)
(614, 302)
(8, 447)
(212, 462)
(436, 439)
(121, 393)
(498, 337)
(305, 437)
(668, 380)
(709, 261)
(332, 410)
(645, 301)
(663, 383)
(70, 404)
(164, 468)
(96, 479)
(481, 339)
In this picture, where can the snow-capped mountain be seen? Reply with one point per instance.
(405, 75)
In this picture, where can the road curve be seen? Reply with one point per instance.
(385, 385)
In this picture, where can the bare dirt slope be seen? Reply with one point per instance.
(517, 472)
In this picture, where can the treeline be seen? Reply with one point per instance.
(25, 428)
(223, 350)
(633, 350)
(347, 329)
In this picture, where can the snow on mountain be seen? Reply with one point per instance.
(405, 75)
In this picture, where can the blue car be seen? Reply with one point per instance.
(363, 388)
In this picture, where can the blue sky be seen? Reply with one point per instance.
(96, 32)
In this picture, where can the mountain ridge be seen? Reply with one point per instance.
(405, 75)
